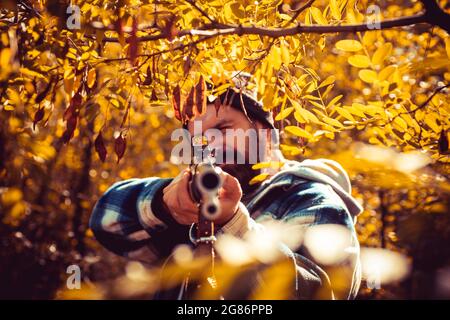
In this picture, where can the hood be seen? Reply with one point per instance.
(324, 171)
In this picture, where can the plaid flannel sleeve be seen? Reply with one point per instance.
(129, 220)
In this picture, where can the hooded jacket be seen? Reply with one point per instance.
(130, 220)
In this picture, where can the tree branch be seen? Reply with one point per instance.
(299, 11)
(424, 104)
(299, 29)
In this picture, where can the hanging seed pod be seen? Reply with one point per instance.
(200, 97)
(133, 40)
(148, 78)
(443, 142)
(38, 116)
(100, 147)
(154, 97)
(120, 145)
(176, 102)
(188, 112)
(41, 96)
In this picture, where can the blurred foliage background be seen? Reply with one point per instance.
(83, 108)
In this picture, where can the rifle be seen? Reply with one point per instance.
(204, 185)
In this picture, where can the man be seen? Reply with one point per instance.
(145, 219)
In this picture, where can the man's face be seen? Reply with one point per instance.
(231, 123)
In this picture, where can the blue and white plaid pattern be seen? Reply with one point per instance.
(128, 222)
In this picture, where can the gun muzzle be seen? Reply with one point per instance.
(205, 187)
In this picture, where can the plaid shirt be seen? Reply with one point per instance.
(129, 219)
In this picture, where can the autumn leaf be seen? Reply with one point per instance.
(154, 97)
(91, 77)
(176, 102)
(188, 108)
(38, 116)
(443, 142)
(100, 147)
(349, 45)
(381, 53)
(71, 125)
(359, 61)
(148, 77)
(284, 113)
(120, 144)
(133, 42)
(200, 97)
(298, 132)
(41, 96)
(367, 75)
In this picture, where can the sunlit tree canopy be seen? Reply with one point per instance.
(91, 90)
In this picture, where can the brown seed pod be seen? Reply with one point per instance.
(188, 112)
(443, 143)
(176, 102)
(38, 116)
(200, 97)
(120, 145)
(100, 147)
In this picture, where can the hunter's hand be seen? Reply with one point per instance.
(184, 210)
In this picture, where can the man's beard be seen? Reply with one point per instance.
(244, 173)
(241, 171)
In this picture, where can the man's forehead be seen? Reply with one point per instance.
(211, 118)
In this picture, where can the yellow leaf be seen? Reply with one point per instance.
(299, 132)
(11, 196)
(69, 78)
(430, 121)
(285, 56)
(31, 73)
(307, 115)
(332, 122)
(349, 45)
(318, 16)
(370, 37)
(268, 164)
(359, 61)
(259, 178)
(291, 150)
(234, 10)
(381, 53)
(334, 101)
(335, 12)
(85, 56)
(284, 113)
(115, 103)
(401, 123)
(299, 117)
(275, 57)
(357, 109)
(343, 112)
(5, 56)
(91, 78)
(327, 81)
(386, 72)
(310, 97)
(367, 75)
